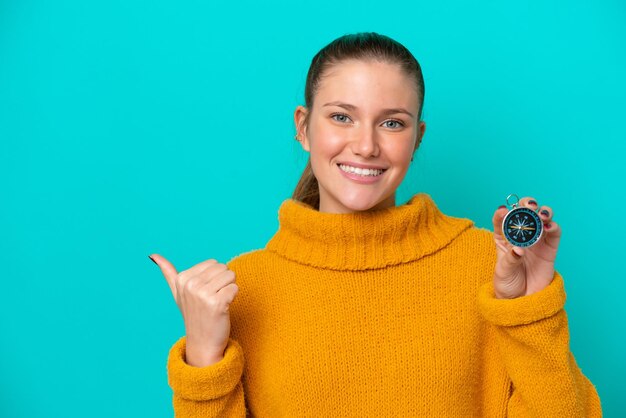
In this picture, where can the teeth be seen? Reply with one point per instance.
(360, 171)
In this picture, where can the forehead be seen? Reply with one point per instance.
(367, 84)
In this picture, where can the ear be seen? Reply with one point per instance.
(420, 134)
(299, 117)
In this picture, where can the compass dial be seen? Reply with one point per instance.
(522, 227)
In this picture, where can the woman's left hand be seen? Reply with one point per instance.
(524, 271)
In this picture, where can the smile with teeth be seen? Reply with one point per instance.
(364, 172)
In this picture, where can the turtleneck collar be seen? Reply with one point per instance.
(363, 240)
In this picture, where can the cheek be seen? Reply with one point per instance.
(327, 142)
(400, 151)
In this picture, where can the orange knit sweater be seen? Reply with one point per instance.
(386, 313)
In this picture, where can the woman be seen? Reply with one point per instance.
(358, 307)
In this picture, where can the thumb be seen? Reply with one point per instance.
(168, 270)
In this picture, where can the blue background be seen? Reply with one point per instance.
(128, 128)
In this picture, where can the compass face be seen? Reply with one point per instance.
(522, 227)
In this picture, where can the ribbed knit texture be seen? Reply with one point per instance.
(388, 313)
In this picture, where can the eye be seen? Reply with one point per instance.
(343, 117)
(397, 122)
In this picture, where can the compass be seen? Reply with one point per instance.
(522, 226)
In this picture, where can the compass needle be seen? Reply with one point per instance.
(518, 225)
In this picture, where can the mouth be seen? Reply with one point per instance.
(361, 172)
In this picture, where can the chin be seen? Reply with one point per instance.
(359, 207)
(360, 204)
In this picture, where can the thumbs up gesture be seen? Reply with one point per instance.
(203, 294)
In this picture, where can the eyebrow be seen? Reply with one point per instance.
(353, 107)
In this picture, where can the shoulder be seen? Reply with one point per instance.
(477, 243)
(252, 263)
(468, 232)
(247, 258)
(480, 234)
(471, 258)
(257, 274)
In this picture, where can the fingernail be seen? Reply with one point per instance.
(545, 212)
(153, 260)
(501, 206)
(532, 202)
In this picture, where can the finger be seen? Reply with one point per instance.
(189, 284)
(498, 217)
(168, 270)
(545, 213)
(208, 274)
(553, 234)
(220, 280)
(200, 267)
(529, 202)
(229, 291)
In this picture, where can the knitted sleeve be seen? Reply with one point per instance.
(211, 391)
(532, 336)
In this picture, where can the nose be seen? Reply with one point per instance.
(365, 143)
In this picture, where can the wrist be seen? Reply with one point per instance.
(201, 357)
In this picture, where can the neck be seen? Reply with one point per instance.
(331, 205)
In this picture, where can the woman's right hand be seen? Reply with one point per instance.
(203, 294)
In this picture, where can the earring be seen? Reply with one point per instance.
(297, 139)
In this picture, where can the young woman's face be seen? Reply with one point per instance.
(364, 115)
